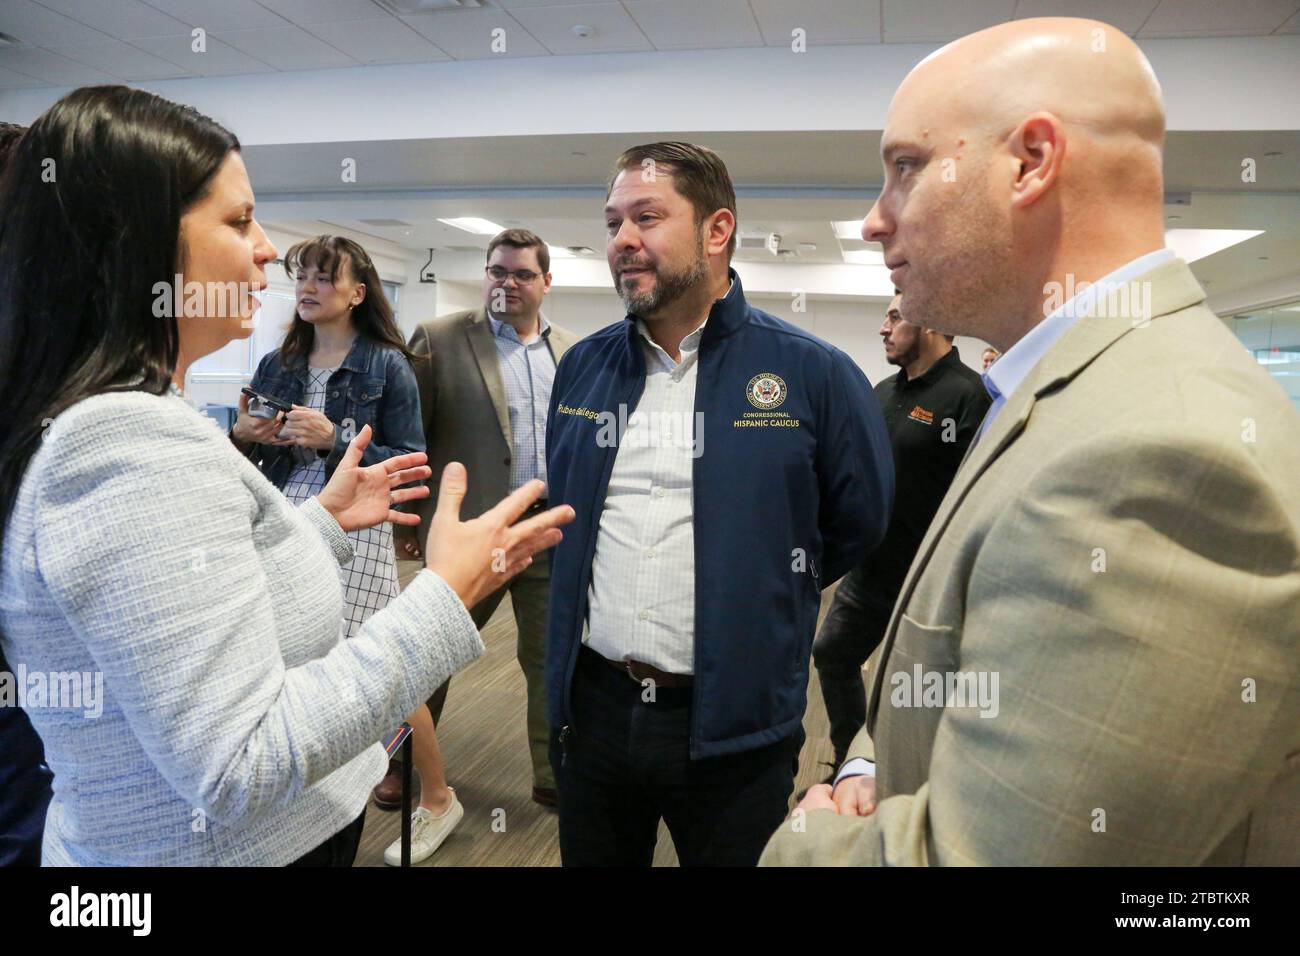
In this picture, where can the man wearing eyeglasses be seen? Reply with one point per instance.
(485, 379)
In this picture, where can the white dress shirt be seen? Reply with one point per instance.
(641, 602)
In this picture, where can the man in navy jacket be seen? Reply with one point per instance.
(724, 466)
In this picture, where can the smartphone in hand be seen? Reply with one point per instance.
(265, 406)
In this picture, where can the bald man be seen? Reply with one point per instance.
(1095, 656)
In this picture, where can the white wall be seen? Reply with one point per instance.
(458, 296)
(851, 326)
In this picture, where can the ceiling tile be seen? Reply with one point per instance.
(1126, 15)
(377, 41)
(216, 17)
(122, 60)
(689, 24)
(468, 34)
(615, 31)
(921, 21)
(824, 21)
(53, 69)
(35, 25)
(1292, 25)
(117, 18)
(218, 59)
(326, 11)
(287, 48)
(9, 80)
(1189, 18)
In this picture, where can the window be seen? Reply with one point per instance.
(1272, 336)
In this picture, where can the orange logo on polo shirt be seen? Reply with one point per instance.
(922, 415)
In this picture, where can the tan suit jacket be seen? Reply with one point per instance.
(463, 401)
(1121, 551)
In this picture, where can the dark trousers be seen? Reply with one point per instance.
(627, 765)
(852, 630)
(25, 788)
(338, 850)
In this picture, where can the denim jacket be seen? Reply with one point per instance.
(373, 386)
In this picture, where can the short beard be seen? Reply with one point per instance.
(904, 359)
(668, 287)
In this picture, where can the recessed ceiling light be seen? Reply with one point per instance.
(847, 228)
(1193, 244)
(864, 257)
(480, 227)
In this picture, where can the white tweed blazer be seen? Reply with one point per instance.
(237, 728)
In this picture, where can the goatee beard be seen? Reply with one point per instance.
(668, 287)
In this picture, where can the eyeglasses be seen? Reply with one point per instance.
(522, 276)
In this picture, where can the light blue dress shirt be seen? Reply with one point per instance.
(528, 374)
(1005, 375)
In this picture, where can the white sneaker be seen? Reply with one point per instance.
(427, 832)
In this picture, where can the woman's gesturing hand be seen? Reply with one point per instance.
(476, 557)
(363, 497)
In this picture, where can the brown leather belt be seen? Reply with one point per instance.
(641, 672)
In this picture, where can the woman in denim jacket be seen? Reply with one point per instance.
(344, 365)
(343, 326)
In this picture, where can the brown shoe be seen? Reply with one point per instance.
(388, 795)
(546, 796)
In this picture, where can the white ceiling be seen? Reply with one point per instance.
(79, 42)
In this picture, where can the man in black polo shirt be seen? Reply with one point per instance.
(933, 408)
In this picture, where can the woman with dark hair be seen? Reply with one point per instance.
(142, 552)
(344, 365)
(24, 776)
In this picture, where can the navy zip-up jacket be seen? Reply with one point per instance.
(793, 487)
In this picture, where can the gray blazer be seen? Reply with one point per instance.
(463, 402)
(1121, 550)
(232, 725)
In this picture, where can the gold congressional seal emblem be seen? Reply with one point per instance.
(766, 390)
